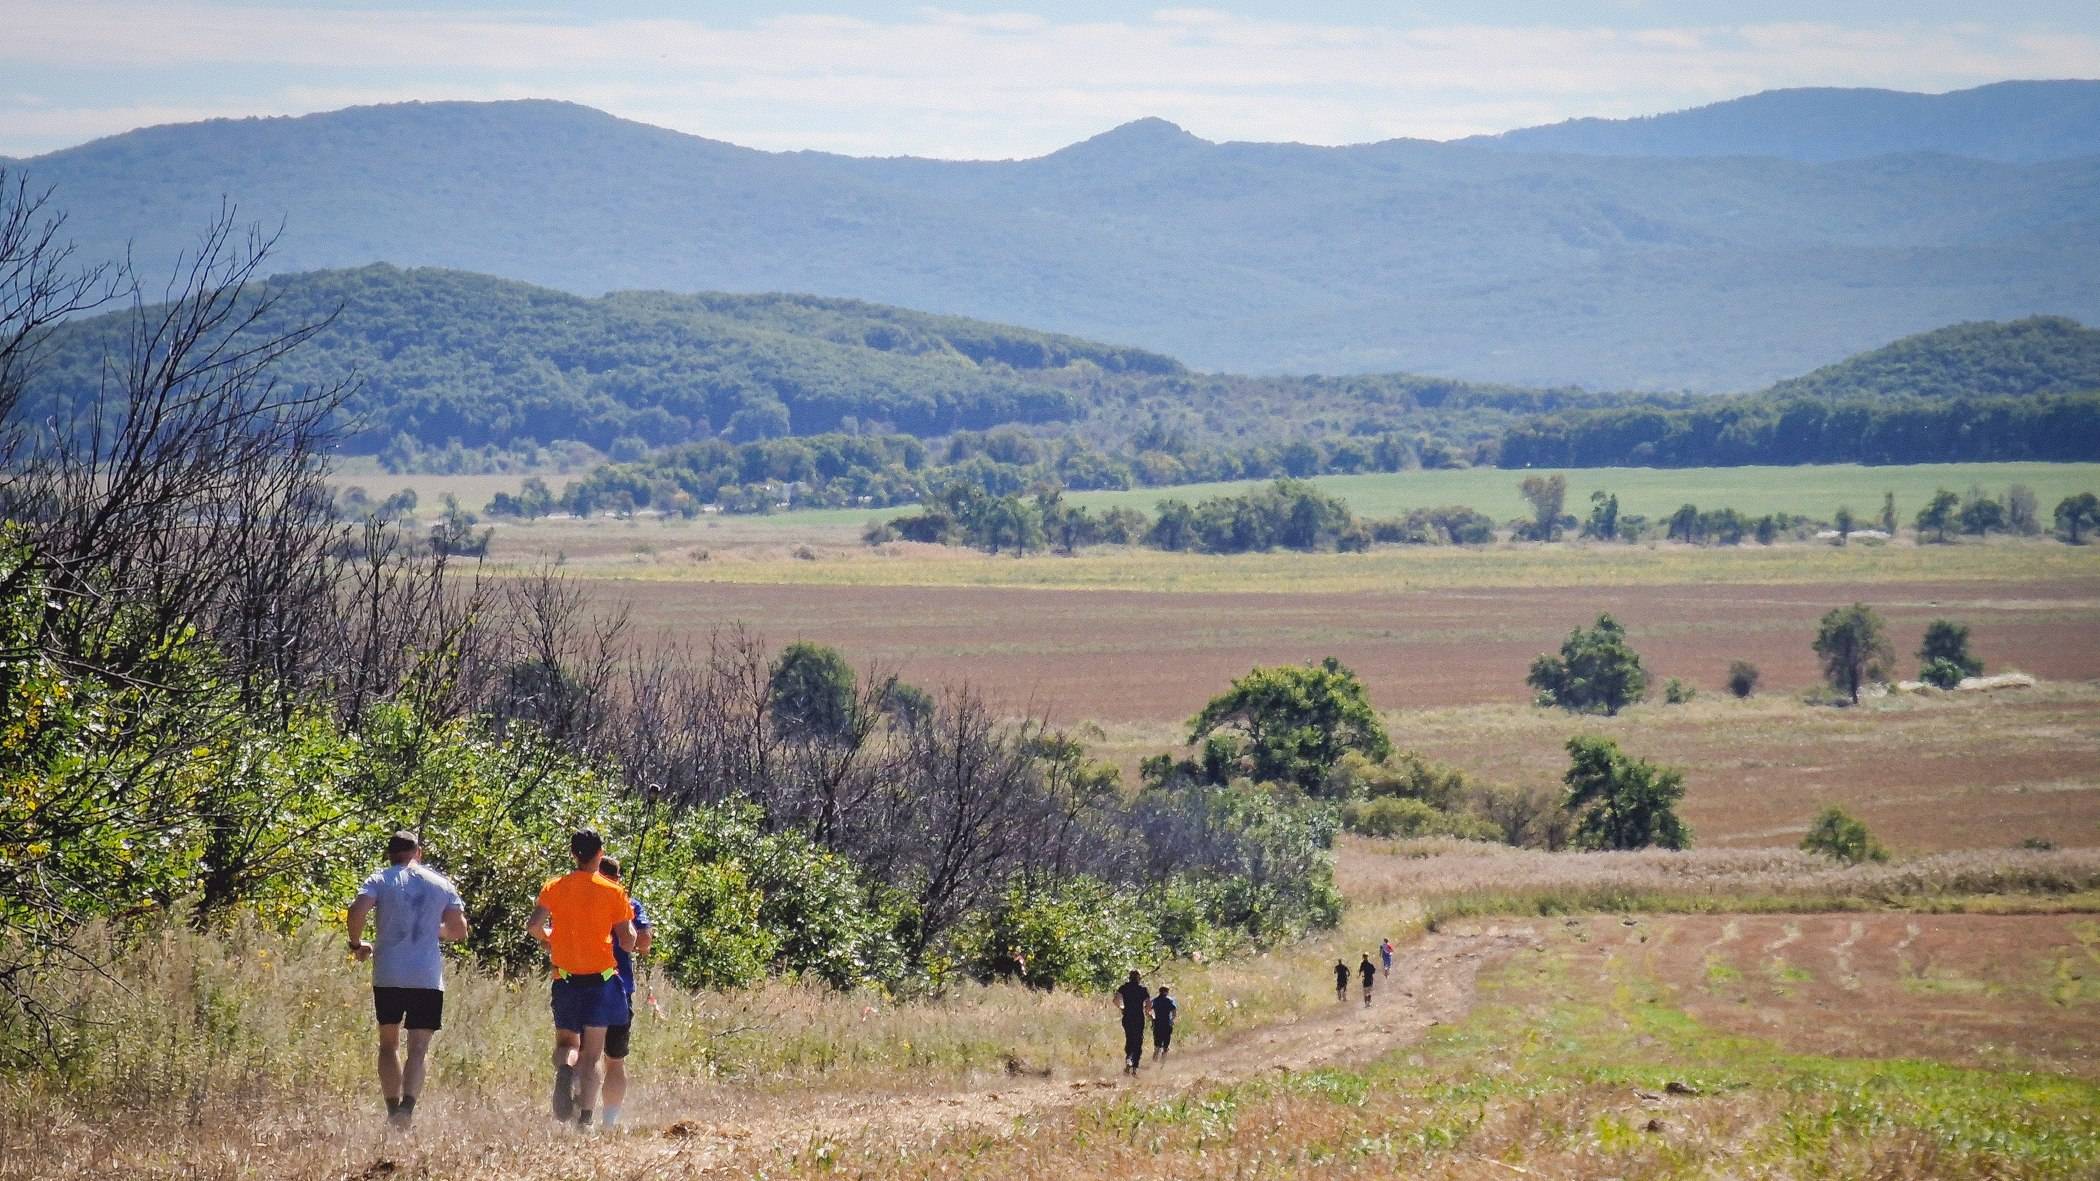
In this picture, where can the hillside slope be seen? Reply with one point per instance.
(2015, 122)
(1451, 259)
(2039, 355)
(448, 355)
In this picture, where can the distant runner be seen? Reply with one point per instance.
(1385, 955)
(1341, 981)
(1163, 1012)
(580, 917)
(1370, 975)
(417, 907)
(1135, 1001)
(617, 1036)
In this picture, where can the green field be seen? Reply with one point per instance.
(1814, 491)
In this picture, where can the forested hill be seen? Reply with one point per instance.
(448, 355)
(2029, 389)
(2021, 122)
(2038, 355)
(1459, 260)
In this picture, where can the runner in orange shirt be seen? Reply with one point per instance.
(579, 918)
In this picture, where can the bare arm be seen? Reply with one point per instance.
(540, 926)
(643, 938)
(624, 936)
(360, 910)
(453, 926)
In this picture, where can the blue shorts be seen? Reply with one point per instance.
(585, 1001)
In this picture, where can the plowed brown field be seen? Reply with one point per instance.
(2000, 991)
(1122, 656)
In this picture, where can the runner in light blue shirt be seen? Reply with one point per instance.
(416, 908)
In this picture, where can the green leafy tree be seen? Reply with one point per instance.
(1941, 674)
(811, 692)
(1677, 692)
(1938, 515)
(1837, 835)
(1596, 671)
(1296, 721)
(1980, 515)
(1888, 513)
(1622, 802)
(1854, 648)
(1844, 523)
(1946, 640)
(2077, 515)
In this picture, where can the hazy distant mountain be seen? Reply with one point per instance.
(1455, 259)
(2018, 122)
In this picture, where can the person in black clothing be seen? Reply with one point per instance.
(1136, 1002)
(1341, 981)
(1370, 974)
(1163, 1010)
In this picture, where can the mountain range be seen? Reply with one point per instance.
(1527, 259)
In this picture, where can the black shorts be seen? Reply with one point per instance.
(616, 1039)
(1162, 1034)
(417, 1008)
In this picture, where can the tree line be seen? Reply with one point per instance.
(1770, 430)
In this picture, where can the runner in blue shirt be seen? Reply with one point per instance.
(617, 1036)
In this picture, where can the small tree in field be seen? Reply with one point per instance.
(2078, 515)
(1546, 495)
(1854, 646)
(1888, 513)
(1622, 802)
(1836, 835)
(1297, 721)
(1595, 671)
(1947, 641)
(1845, 523)
(1742, 678)
(2023, 513)
(1938, 515)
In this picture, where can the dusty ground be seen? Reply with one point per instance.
(1121, 656)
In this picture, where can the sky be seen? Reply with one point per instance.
(994, 79)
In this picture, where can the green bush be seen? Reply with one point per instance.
(1391, 816)
(1079, 933)
(1838, 836)
(1623, 802)
(1676, 692)
(1941, 674)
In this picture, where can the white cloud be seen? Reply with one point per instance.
(944, 83)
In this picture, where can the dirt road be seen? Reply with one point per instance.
(1432, 983)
